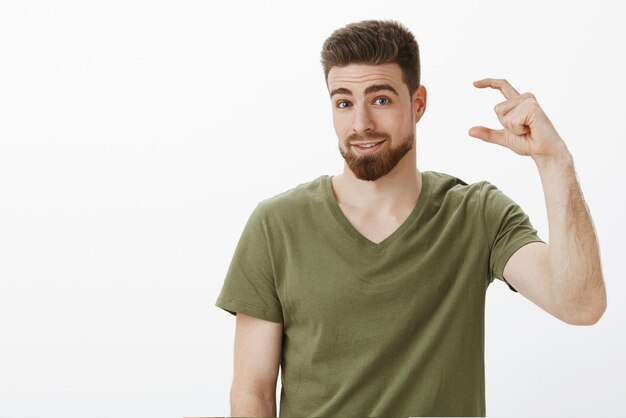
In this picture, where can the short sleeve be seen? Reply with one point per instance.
(507, 228)
(249, 286)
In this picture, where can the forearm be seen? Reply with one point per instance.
(577, 281)
(246, 404)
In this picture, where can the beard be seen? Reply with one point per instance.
(371, 167)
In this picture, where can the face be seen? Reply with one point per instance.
(371, 105)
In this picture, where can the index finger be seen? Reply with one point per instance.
(495, 83)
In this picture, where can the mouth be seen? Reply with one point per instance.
(368, 148)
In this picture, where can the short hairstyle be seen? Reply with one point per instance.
(374, 42)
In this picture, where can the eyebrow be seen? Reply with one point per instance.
(370, 89)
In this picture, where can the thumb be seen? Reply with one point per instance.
(488, 135)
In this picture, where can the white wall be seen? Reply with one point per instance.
(136, 138)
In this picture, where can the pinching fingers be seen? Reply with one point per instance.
(513, 113)
(506, 106)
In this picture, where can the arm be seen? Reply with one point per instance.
(574, 254)
(565, 277)
(258, 346)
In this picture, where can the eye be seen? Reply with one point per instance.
(383, 98)
(340, 102)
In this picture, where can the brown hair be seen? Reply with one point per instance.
(374, 42)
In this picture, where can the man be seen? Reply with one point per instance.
(368, 287)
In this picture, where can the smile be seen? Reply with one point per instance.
(368, 148)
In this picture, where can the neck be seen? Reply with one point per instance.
(397, 191)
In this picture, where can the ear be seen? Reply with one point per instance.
(419, 102)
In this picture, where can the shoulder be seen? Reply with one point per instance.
(449, 188)
(451, 193)
(296, 200)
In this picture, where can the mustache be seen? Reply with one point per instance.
(372, 136)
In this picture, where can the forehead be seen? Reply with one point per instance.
(357, 74)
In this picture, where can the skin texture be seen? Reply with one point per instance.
(257, 353)
(376, 208)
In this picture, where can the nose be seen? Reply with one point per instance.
(362, 119)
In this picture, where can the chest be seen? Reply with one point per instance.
(375, 228)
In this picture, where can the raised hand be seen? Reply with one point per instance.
(527, 129)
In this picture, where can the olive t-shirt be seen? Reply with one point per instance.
(394, 328)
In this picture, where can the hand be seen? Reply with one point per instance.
(527, 130)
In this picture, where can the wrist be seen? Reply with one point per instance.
(560, 159)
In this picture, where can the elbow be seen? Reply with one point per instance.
(595, 315)
(589, 312)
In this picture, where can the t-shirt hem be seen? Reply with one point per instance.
(233, 306)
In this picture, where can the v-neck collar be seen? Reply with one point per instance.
(377, 247)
